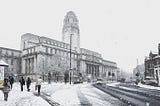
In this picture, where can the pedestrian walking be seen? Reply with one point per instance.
(22, 82)
(6, 88)
(38, 84)
(49, 78)
(11, 80)
(28, 82)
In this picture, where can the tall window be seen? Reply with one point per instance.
(55, 51)
(6, 60)
(0, 51)
(12, 54)
(51, 50)
(24, 45)
(6, 53)
(11, 61)
(46, 50)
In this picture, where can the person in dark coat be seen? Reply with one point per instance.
(6, 88)
(11, 80)
(22, 82)
(28, 82)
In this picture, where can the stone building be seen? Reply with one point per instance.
(13, 58)
(41, 55)
(139, 70)
(152, 65)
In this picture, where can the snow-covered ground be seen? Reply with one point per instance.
(25, 98)
(148, 86)
(64, 94)
(112, 83)
(139, 85)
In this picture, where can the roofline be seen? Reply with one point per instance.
(109, 61)
(10, 49)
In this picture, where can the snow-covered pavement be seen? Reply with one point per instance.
(18, 98)
(64, 94)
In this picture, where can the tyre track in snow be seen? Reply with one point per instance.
(99, 98)
(113, 101)
(129, 97)
(47, 99)
(83, 100)
(47, 96)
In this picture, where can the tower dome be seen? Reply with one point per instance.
(70, 20)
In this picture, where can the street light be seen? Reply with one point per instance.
(70, 57)
(43, 70)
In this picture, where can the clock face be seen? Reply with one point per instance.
(71, 20)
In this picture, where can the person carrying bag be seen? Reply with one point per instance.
(38, 84)
(6, 88)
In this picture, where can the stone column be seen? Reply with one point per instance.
(35, 64)
(32, 65)
(26, 66)
(87, 69)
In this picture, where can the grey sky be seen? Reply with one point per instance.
(121, 30)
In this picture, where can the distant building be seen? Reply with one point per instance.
(139, 70)
(13, 58)
(152, 65)
(41, 55)
(118, 74)
(124, 75)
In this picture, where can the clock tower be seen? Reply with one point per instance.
(71, 31)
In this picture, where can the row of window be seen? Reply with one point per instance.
(7, 52)
(59, 52)
(54, 51)
(31, 50)
(9, 61)
(55, 43)
(85, 51)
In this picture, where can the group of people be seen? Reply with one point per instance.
(8, 83)
(22, 83)
(28, 82)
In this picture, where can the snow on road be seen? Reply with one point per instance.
(99, 98)
(66, 96)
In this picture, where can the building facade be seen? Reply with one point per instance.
(41, 55)
(152, 65)
(139, 70)
(13, 58)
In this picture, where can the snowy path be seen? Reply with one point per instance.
(18, 98)
(59, 94)
(48, 99)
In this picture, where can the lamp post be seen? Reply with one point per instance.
(70, 58)
(43, 70)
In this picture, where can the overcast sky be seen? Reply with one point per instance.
(121, 30)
